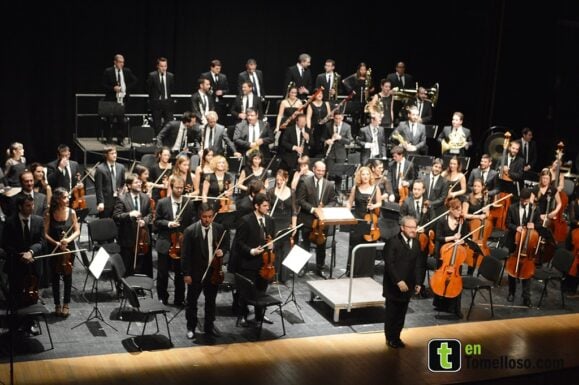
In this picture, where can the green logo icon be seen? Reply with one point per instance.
(444, 355)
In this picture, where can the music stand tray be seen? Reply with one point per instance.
(333, 216)
(109, 109)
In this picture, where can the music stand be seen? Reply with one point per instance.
(333, 216)
(109, 111)
(96, 268)
(295, 261)
(343, 169)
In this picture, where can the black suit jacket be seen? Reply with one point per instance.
(219, 137)
(409, 82)
(127, 229)
(365, 137)
(515, 170)
(307, 198)
(338, 150)
(438, 194)
(419, 137)
(14, 244)
(197, 107)
(237, 106)
(402, 263)
(244, 77)
(103, 183)
(57, 179)
(194, 252)
(241, 137)
(322, 81)
(222, 83)
(408, 207)
(249, 236)
(491, 180)
(169, 133)
(164, 215)
(426, 113)
(40, 204)
(290, 139)
(109, 81)
(154, 85)
(514, 221)
(531, 157)
(293, 75)
(407, 175)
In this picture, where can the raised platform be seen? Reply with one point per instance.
(91, 147)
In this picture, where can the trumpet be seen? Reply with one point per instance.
(455, 143)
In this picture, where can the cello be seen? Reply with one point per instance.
(481, 236)
(559, 226)
(371, 217)
(446, 280)
(427, 241)
(521, 264)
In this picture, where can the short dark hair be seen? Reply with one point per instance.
(204, 207)
(62, 147)
(22, 198)
(215, 63)
(259, 199)
(187, 116)
(525, 193)
(255, 186)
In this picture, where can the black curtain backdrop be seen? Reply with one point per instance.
(500, 63)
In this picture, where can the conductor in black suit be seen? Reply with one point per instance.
(109, 180)
(256, 227)
(160, 85)
(300, 75)
(403, 270)
(201, 256)
(63, 172)
(117, 82)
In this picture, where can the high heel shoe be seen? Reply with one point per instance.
(65, 310)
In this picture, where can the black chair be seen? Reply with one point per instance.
(501, 254)
(490, 269)
(148, 160)
(145, 307)
(249, 294)
(102, 233)
(143, 140)
(560, 266)
(136, 281)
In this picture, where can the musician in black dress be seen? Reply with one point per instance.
(472, 207)
(61, 229)
(252, 170)
(317, 110)
(160, 173)
(361, 82)
(218, 184)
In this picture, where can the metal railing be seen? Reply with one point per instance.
(376, 246)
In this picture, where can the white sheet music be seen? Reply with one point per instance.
(98, 263)
(296, 259)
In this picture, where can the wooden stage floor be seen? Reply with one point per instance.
(551, 342)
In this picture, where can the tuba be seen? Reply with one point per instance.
(375, 105)
(457, 140)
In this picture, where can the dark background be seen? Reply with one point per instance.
(500, 63)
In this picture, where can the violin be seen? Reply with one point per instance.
(64, 261)
(372, 217)
(29, 295)
(176, 242)
(403, 191)
(143, 240)
(267, 270)
(217, 275)
(425, 240)
(521, 264)
(225, 201)
(78, 193)
(446, 280)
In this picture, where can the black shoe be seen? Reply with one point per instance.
(211, 330)
(394, 344)
(424, 293)
(401, 344)
(179, 303)
(527, 302)
(320, 273)
(510, 297)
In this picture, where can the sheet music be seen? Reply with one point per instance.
(296, 259)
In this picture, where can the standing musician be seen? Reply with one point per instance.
(330, 80)
(401, 171)
(300, 75)
(15, 164)
(381, 179)
(257, 227)
(160, 85)
(40, 182)
(284, 212)
(413, 133)
(486, 174)
(312, 194)
(372, 139)
(174, 213)
(455, 179)
(109, 180)
(456, 137)
(133, 211)
(295, 142)
(336, 136)
(253, 134)
(519, 216)
(403, 270)
(63, 172)
(558, 184)
(202, 171)
(447, 230)
(302, 172)
(548, 200)
(436, 187)
(528, 150)
(474, 202)
(316, 111)
(288, 106)
(182, 169)
(253, 75)
(177, 135)
(401, 80)
(423, 104)
(361, 83)
(514, 165)
(219, 86)
(205, 244)
(201, 101)
(244, 101)
(215, 136)
(61, 228)
(253, 170)
(142, 174)
(365, 197)
(160, 173)
(27, 185)
(23, 238)
(383, 104)
(218, 183)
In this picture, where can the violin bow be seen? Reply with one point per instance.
(283, 235)
(421, 228)
(86, 174)
(214, 252)
(492, 204)
(65, 234)
(54, 254)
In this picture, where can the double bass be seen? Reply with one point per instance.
(499, 213)
(521, 263)
(480, 237)
(559, 225)
(446, 280)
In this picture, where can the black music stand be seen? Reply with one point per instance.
(96, 268)
(111, 113)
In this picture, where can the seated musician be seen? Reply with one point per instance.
(183, 170)
(177, 135)
(548, 201)
(436, 187)
(246, 100)
(218, 184)
(253, 170)
(372, 139)
(400, 171)
(456, 137)
(253, 134)
(486, 174)
(412, 132)
(474, 202)
(133, 209)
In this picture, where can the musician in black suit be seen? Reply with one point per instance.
(312, 193)
(330, 80)
(401, 171)
(436, 188)
(23, 238)
(253, 132)
(109, 180)
(245, 101)
(118, 81)
(295, 142)
(400, 78)
(219, 85)
(513, 167)
(403, 270)
(160, 87)
(214, 136)
(423, 104)
(177, 135)
(250, 237)
(300, 75)
(254, 76)
(519, 215)
(63, 172)
(372, 139)
(133, 209)
(205, 244)
(413, 132)
(27, 184)
(173, 214)
(485, 173)
(457, 135)
(528, 150)
(201, 100)
(336, 136)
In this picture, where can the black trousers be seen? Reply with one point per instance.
(193, 292)
(320, 249)
(163, 264)
(260, 285)
(526, 283)
(395, 315)
(162, 112)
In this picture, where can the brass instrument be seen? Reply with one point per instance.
(337, 79)
(433, 94)
(396, 135)
(457, 140)
(375, 105)
(403, 94)
(367, 84)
